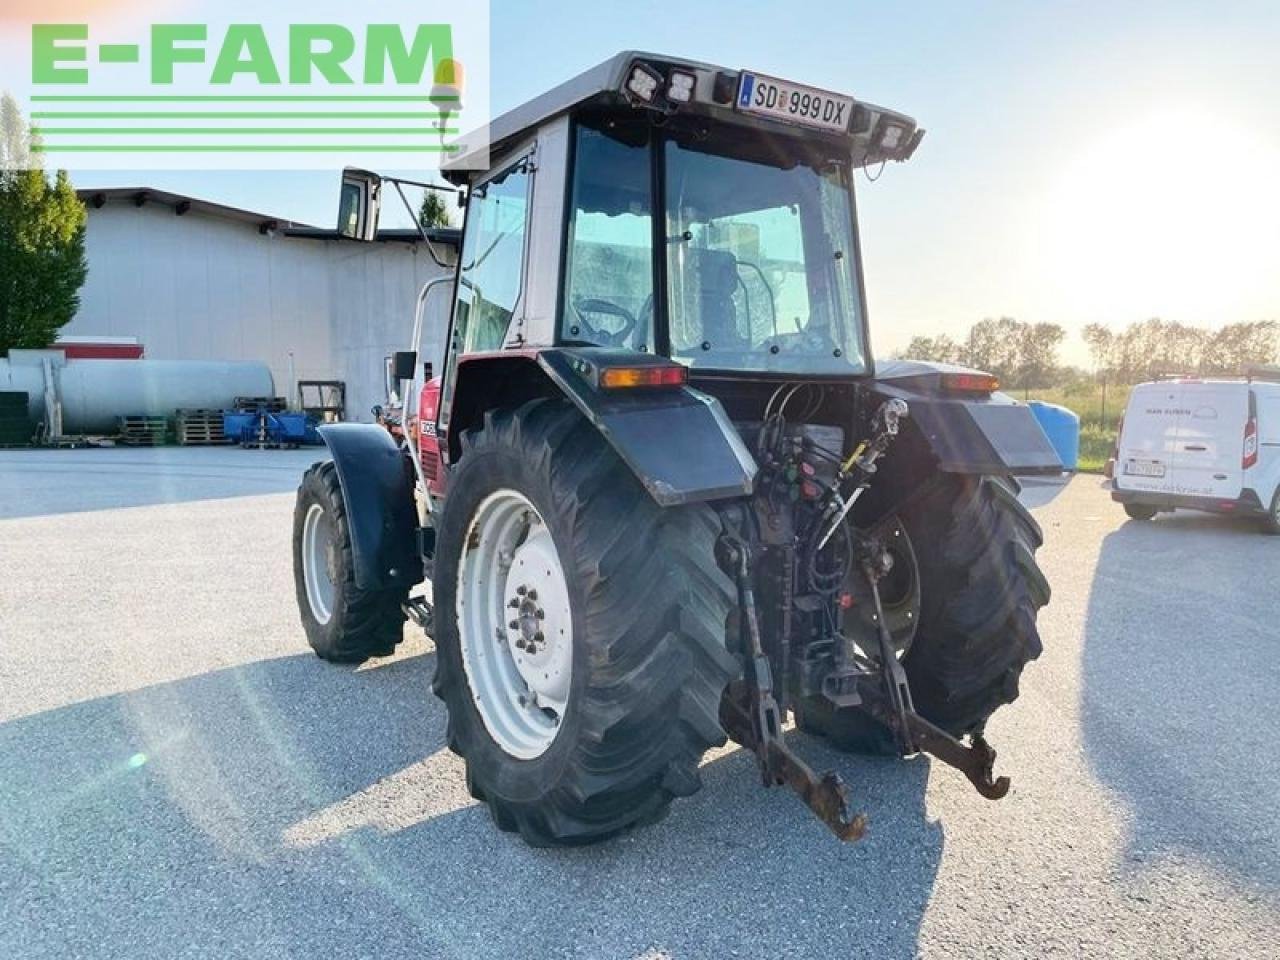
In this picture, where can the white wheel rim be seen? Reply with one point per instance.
(318, 561)
(514, 624)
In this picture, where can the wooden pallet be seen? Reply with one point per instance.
(199, 427)
(143, 431)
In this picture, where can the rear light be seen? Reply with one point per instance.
(970, 382)
(649, 375)
(1250, 443)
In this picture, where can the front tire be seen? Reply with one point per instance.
(344, 624)
(634, 591)
(980, 592)
(1140, 512)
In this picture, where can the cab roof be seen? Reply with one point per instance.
(603, 84)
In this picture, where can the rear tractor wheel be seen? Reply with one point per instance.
(580, 630)
(344, 624)
(979, 592)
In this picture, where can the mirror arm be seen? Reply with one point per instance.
(421, 229)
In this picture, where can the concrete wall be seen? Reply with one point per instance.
(202, 287)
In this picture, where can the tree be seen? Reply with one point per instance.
(994, 346)
(1102, 347)
(42, 261)
(939, 349)
(435, 211)
(1038, 353)
(1240, 345)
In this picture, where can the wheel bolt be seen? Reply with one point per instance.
(539, 638)
(514, 604)
(540, 615)
(521, 590)
(533, 594)
(514, 624)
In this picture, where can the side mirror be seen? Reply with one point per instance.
(359, 205)
(403, 365)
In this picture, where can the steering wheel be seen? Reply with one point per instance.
(611, 338)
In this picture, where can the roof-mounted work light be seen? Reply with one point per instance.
(642, 83)
(680, 86)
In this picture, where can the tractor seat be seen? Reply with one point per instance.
(711, 278)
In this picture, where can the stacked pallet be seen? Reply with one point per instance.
(199, 427)
(143, 431)
(15, 423)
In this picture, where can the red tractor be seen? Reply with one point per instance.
(661, 494)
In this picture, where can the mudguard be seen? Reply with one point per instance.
(987, 435)
(679, 443)
(377, 490)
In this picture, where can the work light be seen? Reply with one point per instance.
(680, 86)
(643, 82)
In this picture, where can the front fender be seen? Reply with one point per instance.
(377, 491)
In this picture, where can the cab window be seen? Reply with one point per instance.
(492, 266)
(608, 286)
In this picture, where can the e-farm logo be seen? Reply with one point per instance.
(319, 93)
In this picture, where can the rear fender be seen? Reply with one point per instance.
(966, 433)
(377, 490)
(679, 443)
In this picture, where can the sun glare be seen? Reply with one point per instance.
(1175, 214)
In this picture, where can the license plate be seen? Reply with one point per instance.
(1144, 468)
(794, 103)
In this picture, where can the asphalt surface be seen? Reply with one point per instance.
(180, 777)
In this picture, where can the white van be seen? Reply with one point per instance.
(1201, 445)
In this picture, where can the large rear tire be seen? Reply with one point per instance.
(580, 630)
(344, 624)
(980, 591)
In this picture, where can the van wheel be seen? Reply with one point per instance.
(1272, 523)
(1137, 511)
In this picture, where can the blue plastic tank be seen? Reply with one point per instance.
(1062, 427)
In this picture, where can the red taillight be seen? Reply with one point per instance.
(1251, 443)
(657, 375)
(970, 382)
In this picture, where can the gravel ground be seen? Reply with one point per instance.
(179, 777)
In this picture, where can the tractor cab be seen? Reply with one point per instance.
(660, 494)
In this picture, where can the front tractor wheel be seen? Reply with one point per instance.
(580, 630)
(344, 624)
(980, 592)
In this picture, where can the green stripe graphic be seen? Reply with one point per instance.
(223, 115)
(264, 131)
(241, 148)
(155, 98)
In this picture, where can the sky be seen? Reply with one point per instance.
(1084, 162)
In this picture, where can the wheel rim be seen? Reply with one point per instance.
(514, 624)
(318, 561)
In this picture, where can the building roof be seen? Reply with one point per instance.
(182, 204)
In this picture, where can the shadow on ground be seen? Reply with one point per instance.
(288, 808)
(1179, 677)
(42, 482)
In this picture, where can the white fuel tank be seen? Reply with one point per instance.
(96, 393)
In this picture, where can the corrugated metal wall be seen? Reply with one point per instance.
(199, 287)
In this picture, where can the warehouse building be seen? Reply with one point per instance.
(192, 280)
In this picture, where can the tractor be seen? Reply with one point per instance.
(660, 493)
